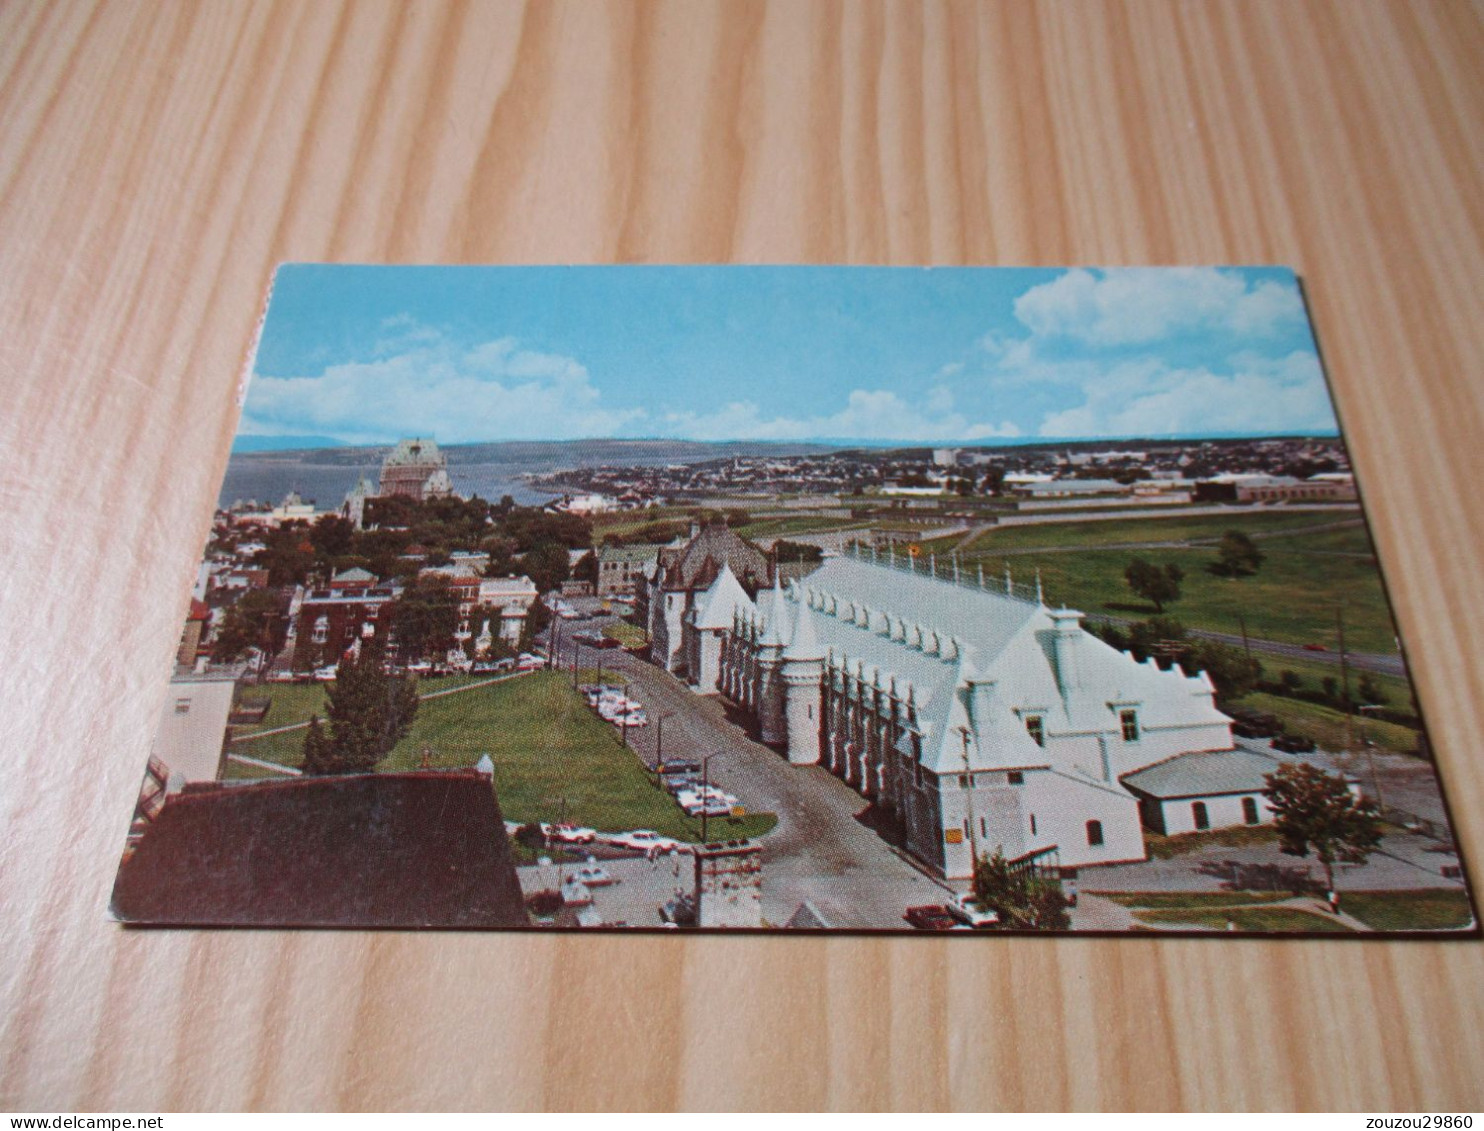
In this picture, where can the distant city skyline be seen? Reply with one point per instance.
(870, 356)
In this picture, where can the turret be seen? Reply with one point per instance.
(802, 669)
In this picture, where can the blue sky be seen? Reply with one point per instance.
(874, 355)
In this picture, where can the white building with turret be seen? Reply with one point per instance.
(974, 717)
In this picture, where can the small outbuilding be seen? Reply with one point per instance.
(1208, 789)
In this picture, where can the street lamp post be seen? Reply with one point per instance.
(1370, 754)
(659, 740)
(705, 792)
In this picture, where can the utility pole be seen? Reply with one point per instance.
(1344, 664)
(705, 792)
(1370, 754)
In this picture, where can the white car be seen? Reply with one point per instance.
(568, 834)
(575, 893)
(963, 908)
(325, 675)
(594, 875)
(643, 840)
(530, 663)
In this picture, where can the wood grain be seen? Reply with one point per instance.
(156, 161)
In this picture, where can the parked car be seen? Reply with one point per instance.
(595, 875)
(679, 766)
(643, 840)
(608, 642)
(505, 665)
(933, 917)
(695, 806)
(1293, 744)
(568, 834)
(589, 637)
(575, 893)
(1254, 724)
(325, 675)
(1315, 648)
(679, 912)
(963, 908)
(530, 663)
(421, 667)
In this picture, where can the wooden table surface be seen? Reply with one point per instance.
(156, 161)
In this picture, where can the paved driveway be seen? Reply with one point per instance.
(820, 851)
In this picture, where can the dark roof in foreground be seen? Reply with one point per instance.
(371, 850)
(1204, 773)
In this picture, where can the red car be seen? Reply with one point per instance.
(932, 917)
(1315, 648)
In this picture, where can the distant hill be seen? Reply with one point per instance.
(538, 455)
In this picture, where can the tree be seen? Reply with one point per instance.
(1159, 585)
(786, 551)
(586, 568)
(1023, 900)
(255, 621)
(1237, 555)
(1369, 690)
(424, 618)
(369, 712)
(1315, 811)
(1234, 673)
(546, 565)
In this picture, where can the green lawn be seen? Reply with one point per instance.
(630, 635)
(293, 703)
(1437, 910)
(1190, 900)
(1165, 847)
(552, 756)
(1327, 726)
(1290, 599)
(1246, 919)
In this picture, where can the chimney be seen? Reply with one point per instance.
(1066, 642)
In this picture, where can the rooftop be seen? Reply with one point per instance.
(372, 850)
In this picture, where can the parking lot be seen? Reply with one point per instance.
(820, 851)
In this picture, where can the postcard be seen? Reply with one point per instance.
(992, 601)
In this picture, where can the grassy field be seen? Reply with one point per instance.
(1439, 910)
(293, 703)
(1190, 900)
(1245, 919)
(1328, 727)
(1166, 847)
(1292, 598)
(552, 756)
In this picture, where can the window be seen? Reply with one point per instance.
(1094, 833)
(1036, 728)
(1016, 777)
(182, 706)
(965, 781)
(1128, 719)
(1202, 818)
(1249, 810)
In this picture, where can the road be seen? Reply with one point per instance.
(1382, 663)
(821, 851)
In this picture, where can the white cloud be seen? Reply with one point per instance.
(494, 390)
(1130, 306)
(1148, 398)
(868, 414)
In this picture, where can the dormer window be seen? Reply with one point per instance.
(1035, 726)
(1128, 721)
